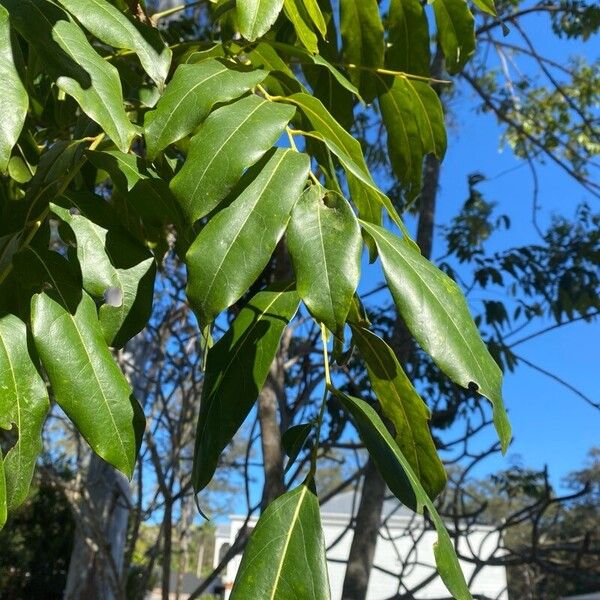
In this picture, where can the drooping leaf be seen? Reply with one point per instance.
(296, 12)
(400, 478)
(285, 557)
(79, 70)
(237, 243)
(24, 404)
(114, 28)
(436, 313)
(14, 100)
(456, 32)
(362, 37)
(87, 383)
(486, 6)
(314, 10)
(236, 370)
(3, 508)
(408, 38)
(190, 96)
(414, 119)
(293, 440)
(325, 245)
(255, 17)
(401, 404)
(231, 139)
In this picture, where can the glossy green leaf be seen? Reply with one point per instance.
(436, 313)
(401, 404)
(24, 404)
(255, 17)
(236, 245)
(14, 100)
(414, 119)
(325, 245)
(293, 440)
(486, 6)
(362, 37)
(314, 10)
(296, 12)
(456, 32)
(79, 70)
(399, 476)
(87, 383)
(112, 27)
(231, 139)
(190, 96)
(408, 38)
(236, 370)
(113, 267)
(285, 557)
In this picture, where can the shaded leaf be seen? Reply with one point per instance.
(401, 404)
(231, 139)
(456, 32)
(24, 404)
(114, 28)
(236, 370)
(190, 96)
(325, 246)
(404, 484)
(3, 511)
(285, 557)
(293, 440)
(14, 100)
(255, 17)
(436, 313)
(237, 243)
(296, 12)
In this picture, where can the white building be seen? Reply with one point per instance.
(402, 544)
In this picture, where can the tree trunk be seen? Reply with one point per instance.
(96, 566)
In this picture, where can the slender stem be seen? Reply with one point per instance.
(175, 9)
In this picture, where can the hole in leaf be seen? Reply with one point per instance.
(113, 296)
(473, 387)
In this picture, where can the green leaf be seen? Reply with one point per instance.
(14, 100)
(112, 27)
(236, 245)
(255, 17)
(398, 474)
(285, 557)
(414, 120)
(325, 245)
(79, 70)
(297, 14)
(362, 37)
(486, 6)
(87, 383)
(3, 512)
(24, 404)
(401, 404)
(236, 370)
(190, 96)
(436, 313)
(456, 32)
(293, 440)
(231, 139)
(113, 268)
(314, 10)
(408, 38)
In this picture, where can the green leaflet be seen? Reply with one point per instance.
(436, 313)
(401, 404)
(231, 139)
(486, 6)
(314, 10)
(112, 27)
(296, 12)
(255, 17)
(325, 245)
(24, 404)
(399, 476)
(293, 440)
(456, 32)
(78, 69)
(362, 37)
(236, 370)
(87, 383)
(3, 512)
(237, 243)
(14, 100)
(414, 119)
(408, 38)
(190, 96)
(113, 268)
(285, 557)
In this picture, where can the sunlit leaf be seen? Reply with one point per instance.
(255, 17)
